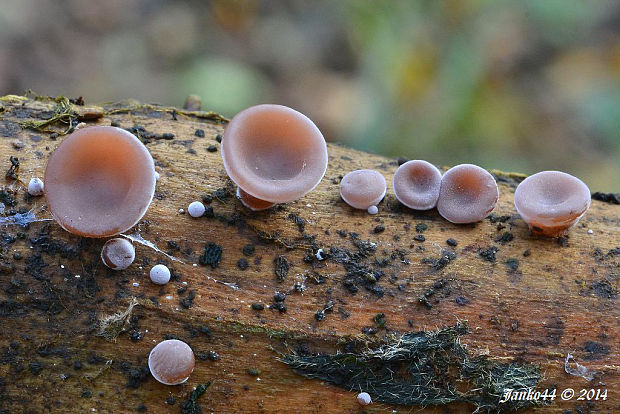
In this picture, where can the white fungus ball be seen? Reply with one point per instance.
(35, 187)
(196, 209)
(118, 254)
(373, 210)
(160, 274)
(364, 398)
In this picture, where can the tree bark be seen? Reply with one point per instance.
(525, 298)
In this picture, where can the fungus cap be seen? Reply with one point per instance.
(363, 189)
(274, 153)
(36, 187)
(196, 209)
(551, 202)
(160, 274)
(416, 184)
(99, 182)
(118, 254)
(468, 194)
(171, 362)
(363, 398)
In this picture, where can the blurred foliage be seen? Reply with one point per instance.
(527, 86)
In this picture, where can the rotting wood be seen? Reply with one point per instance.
(532, 300)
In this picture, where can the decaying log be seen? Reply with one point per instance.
(76, 335)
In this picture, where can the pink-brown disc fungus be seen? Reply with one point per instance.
(171, 362)
(118, 254)
(416, 184)
(468, 194)
(551, 202)
(99, 182)
(363, 189)
(274, 154)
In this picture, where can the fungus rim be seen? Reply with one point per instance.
(141, 152)
(553, 218)
(365, 205)
(403, 169)
(264, 188)
(461, 218)
(170, 341)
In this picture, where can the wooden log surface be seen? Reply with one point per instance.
(525, 298)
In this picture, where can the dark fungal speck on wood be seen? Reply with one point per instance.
(489, 254)
(211, 256)
(281, 267)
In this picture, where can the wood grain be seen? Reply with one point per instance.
(535, 307)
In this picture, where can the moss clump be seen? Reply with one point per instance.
(190, 406)
(422, 368)
(63, 113)
(110, 327)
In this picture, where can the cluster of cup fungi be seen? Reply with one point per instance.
(100, 181)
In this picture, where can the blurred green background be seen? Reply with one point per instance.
(522, 86)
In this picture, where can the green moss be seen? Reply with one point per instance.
(63, 113)
(421, 368)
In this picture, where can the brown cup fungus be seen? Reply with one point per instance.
(171, 362)
(551, 202)
(468, 194)
(363, 189)
(99, 182)
(274, 154)
(118, 254)
(416, 184)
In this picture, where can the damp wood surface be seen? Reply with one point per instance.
(524, 298)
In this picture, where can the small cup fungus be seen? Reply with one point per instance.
(363, 398)
(468, 194)
(35, 187)
(171, 362)
(160, 274)
(118, 254)
(363, 189)
(551, 202)
(416, 184)
(196, 209)
(99, 182)
(274, 154)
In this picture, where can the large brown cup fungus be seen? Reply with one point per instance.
(274, 154)
(468, 194)
(551, 202)
(99, 182)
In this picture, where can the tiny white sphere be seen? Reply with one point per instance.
(590, 231)
(160, 274)
(196, 209)
(35, 187)
(373, 210)
(156, 176)
(118, 254)
(363, 398)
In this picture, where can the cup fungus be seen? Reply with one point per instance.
(363, 189)
(171, 362)
(416, 184)
(160, 274)
(196, 209)
(468, 194)
(274, 154)
(99, 182)
(551, 202)
(35, 187)
(118, 254)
